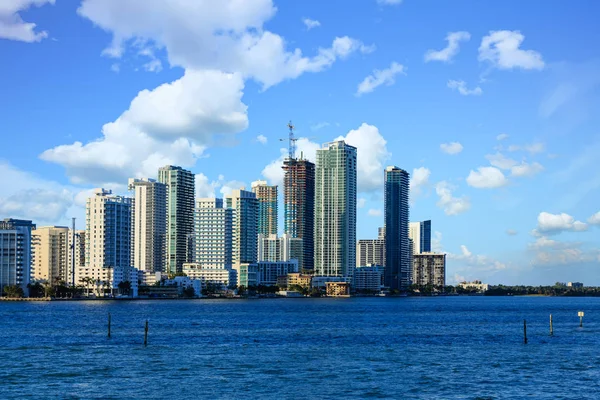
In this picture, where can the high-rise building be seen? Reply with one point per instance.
(15, 253)
(299, 205)
(52, 254)
(180, 215)
(149, 220)
(335, 210)
(420, 233)
(280, 248)
(245, 226)
(429, 269)
(371, 251)
(398, 266)
(267, 207)
(213, 234)
(107, 235)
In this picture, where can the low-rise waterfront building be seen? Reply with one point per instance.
(321, 281)
(575, 284)
(369, 278)
(476, 285)
(218, 276)
(338, 289)
(294, 279)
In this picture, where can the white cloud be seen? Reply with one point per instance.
(461, 86)
(115, 67)
(451, 148)
(500, 161)
(361, 202)
(486, 178)
(450, 204)
(502, 136)
(374, 212)
(525, 169)
(436, 242)
(229, 186)
(594, 219)
(153, 66)
(25, 195)
(311, 23)
(556, 223)
(550, 252)
(12, 26)
(262, 139)
(502, 50)
(533, 148)
(389, 2)
(419, 180)
(380, 77)
(475, 262)
(226, 35)
(372, 153)
(319, 125)
(511, 232)
(171, 124)
(446, 54)
(204, 188)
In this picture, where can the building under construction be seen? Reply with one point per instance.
(299, 201)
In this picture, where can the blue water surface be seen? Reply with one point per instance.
(400, 348)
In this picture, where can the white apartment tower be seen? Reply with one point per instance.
(335, 210)
(371, 251)
(213, 234)
(107, 234)
(280, 248)
(149, 224)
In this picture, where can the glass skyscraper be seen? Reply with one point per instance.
(267, 207)
(397, 243)
(335, 210)
(180, 215)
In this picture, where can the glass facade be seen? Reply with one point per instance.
(398, 256)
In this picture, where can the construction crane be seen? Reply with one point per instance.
(292, 141)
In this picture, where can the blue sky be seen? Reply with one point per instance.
(491, 106)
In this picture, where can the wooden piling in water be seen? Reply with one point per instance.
(109, 325)
(525, 331)
(551, 328)
(146, 334)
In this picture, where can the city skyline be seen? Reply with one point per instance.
(499, 140)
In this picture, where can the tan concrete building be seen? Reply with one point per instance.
(294, 279)
(52, 256)
(337, 289)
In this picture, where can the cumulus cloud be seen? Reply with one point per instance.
(171, 124)
(476, 262)
(311, 23)
(12, 26)
(502, 50)
(500, 161)
(380, 77)
(502, 136)
(594, 219)
(461, 86)
(526, 170)
(228, 186)
(486, 178)
(451, 148)
(262, 139)
(372, 153)
(419, 180)
(550, 252)
(446, 54)
(551, 224)
(447, 202)
(273, 171)
(227, 35)
(374, 212)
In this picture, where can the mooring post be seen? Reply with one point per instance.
(109, 325)
(146, 334)
(551, 328)
(525, 331)
(580, 314)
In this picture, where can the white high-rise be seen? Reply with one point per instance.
(280, 248)
(213, 234)
(335, 210)
(107, 234)
(149, 218)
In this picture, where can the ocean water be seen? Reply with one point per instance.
(359, 348)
